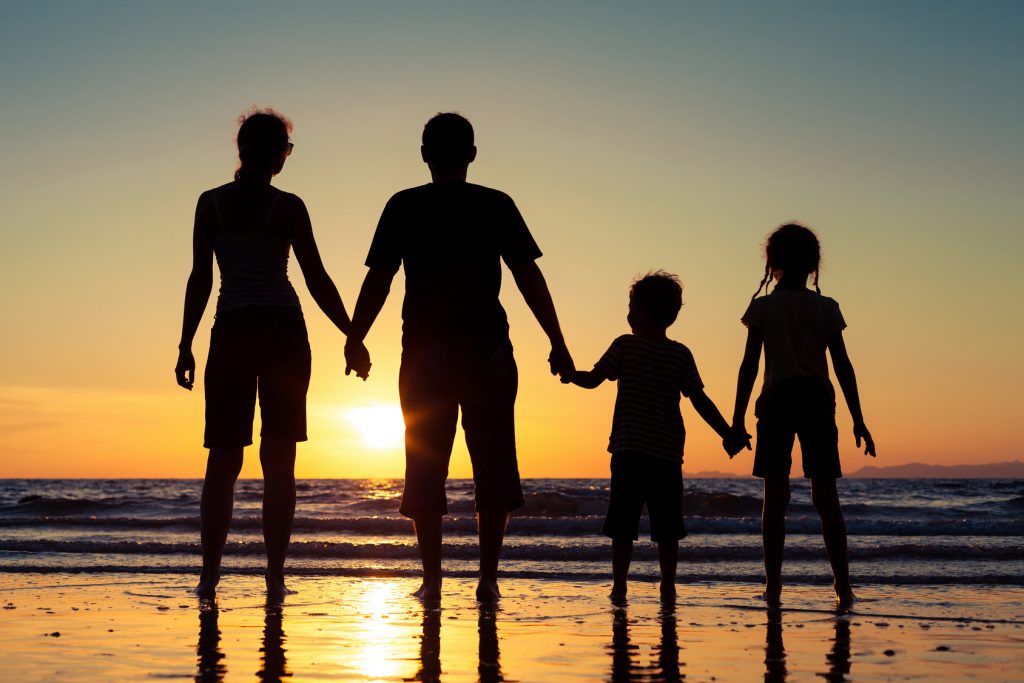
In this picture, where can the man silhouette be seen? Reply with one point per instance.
(451, 237)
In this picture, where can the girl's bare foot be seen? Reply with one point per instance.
(618, 594)
(845, 598)
(772, 595)
(207, 588)
(276, 589)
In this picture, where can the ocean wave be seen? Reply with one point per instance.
(541, 552)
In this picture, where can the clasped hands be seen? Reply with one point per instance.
(357, 359)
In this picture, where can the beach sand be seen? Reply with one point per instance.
(79, 627)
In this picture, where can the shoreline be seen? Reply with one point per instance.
(125, 627)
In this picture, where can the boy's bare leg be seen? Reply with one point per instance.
(773, 534)
(833, 530)
(428, 537)
(622, 555)
(491, 525)
(668, 556)
(215, 507)
(277, 457)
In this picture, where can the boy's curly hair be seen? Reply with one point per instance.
(660, 294)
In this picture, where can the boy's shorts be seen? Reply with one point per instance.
(638, 478)
(798, 408)
(254, 350)
(433, 383)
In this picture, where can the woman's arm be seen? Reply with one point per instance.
(747, 376)
(848, 382)
(197, 293)
(321, 286)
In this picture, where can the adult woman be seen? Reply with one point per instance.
(258, 342)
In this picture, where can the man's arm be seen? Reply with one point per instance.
(372, 295)
(534, 288)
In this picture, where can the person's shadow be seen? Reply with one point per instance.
(774, 650)
(624, 667)
(430, 648)
(273, 662)
(209, 657)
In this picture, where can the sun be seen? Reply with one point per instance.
(381, 426)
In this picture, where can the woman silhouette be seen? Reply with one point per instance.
(258, 343)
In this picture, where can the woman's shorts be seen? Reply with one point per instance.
(804, 409)
(639, 478)
(256, 351)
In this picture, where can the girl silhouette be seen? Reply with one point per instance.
(258, 345)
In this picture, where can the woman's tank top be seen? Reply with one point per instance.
(253, 265)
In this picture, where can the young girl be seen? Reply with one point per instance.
(795, 325)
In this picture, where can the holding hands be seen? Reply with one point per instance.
(561, 362)
(357, 359)
(736, 440)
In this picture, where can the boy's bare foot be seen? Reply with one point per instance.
(618, 595)
(772, 596)
(487, 591)
(207, 588)
(429, 591)
(668, 591)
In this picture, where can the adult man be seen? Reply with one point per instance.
(451, 236)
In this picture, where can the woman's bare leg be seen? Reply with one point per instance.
(277, 456)
(215, 507)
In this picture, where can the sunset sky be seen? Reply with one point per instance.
(633, 136)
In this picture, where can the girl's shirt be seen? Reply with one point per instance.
(796, 324)
(651, 375)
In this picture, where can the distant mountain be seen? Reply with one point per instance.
(1011, 469)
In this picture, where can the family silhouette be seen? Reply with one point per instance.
(451, 237)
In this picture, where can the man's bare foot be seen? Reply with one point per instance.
(487, 591)
(772, 596)
(276, 590)
(207, 588)
(668, 591)
(618, 595)
(430, 591)
(845, 598)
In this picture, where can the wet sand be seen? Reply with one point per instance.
(79, 627)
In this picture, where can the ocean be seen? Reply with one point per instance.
(902, 531)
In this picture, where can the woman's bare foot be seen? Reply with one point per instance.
(668, 591)
(487, 591)
(772, 595)
(845, 598)
(429, 591)
(618, 594)
(207, 588)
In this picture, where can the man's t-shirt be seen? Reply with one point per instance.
(651, 375)
(451, 238)
(796, 324)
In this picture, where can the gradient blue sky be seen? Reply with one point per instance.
(633, 136)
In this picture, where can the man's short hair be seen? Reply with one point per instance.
(448, 138)
(660, 294)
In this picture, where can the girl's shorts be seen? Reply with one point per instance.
(804, 409)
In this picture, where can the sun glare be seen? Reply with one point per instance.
(381, 426)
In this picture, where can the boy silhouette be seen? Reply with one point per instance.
(451, 236)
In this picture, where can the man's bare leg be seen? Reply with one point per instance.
(491, 525)
(428, 537)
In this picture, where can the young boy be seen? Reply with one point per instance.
(647, 429)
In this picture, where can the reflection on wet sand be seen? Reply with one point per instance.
(489, 665)
(774, 651)
(273, 663)
(209, 657)
(838, 659)
(430, 647)
(624, 667)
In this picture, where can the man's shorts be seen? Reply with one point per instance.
(434, 382)
(638, 478)
(256, 350)
(802, 408)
